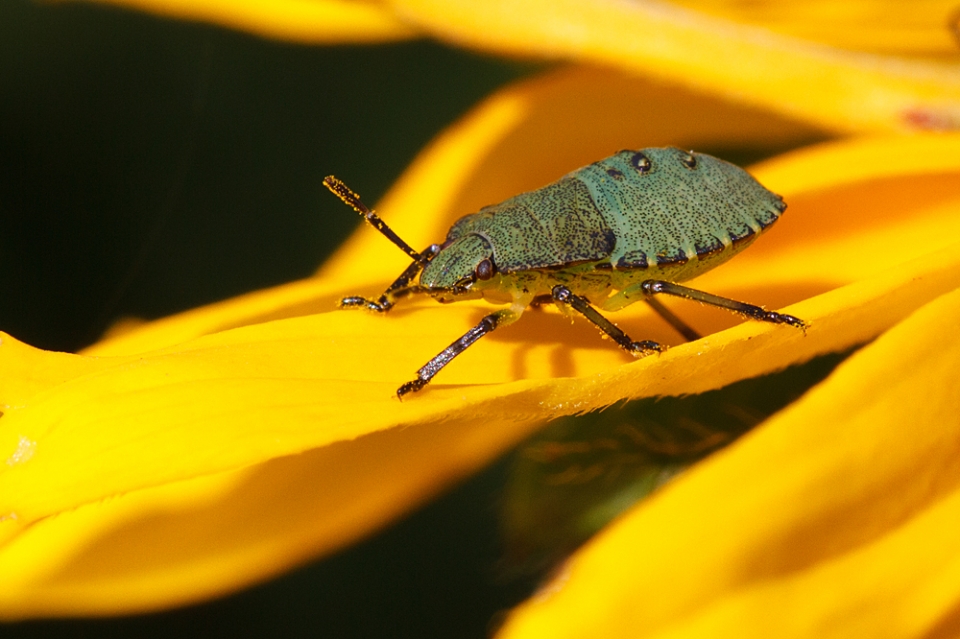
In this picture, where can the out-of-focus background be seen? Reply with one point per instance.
(150, 166)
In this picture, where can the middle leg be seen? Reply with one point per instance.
(563, 295)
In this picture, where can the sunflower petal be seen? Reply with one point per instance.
(837, 89)
(831, 520)
(879, 26)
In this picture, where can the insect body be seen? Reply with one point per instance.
(620, 230)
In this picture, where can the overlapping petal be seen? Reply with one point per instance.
(835, 519)
(881, 26)
(307, 21)
(746, 51)
(869, 25)
(839, 89)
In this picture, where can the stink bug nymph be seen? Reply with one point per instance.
(620, 230)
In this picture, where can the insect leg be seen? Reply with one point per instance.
(678, 324)
(635, 292)
(486, 325)
(654, 287)
(563, 295)
(400, 288)
(352, 200)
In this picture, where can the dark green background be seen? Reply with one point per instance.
(149, 166)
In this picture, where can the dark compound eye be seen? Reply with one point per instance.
(640, 162)
(689, 160)
(484, 270)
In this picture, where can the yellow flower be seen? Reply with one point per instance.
(726, 48)
(832, 518)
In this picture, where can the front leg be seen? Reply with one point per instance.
(487, 325)
(400, 288)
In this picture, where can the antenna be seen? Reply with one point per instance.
(352, 200)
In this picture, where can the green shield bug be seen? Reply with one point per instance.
(620, 230)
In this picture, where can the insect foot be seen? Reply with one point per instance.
(645, 347)
(362, 302)
(782, 318)
(411, 387)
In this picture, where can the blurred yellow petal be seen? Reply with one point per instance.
(822, 85)
(835, 519)
(307, 21)
(288, 300)
(880, 26)
(809, 61)
(185, 541)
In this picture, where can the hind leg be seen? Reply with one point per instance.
(647, 289)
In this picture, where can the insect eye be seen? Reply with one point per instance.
(640, 162)
(689, 160)
(485, 269)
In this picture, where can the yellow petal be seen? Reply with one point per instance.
(841, 90)
(75, 562)
(834, 519)
(881, 26)
(190, 540)
(308, 21)
(27, 371)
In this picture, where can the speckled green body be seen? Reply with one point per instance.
(658, 213)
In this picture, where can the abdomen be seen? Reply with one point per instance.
(682, 214)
